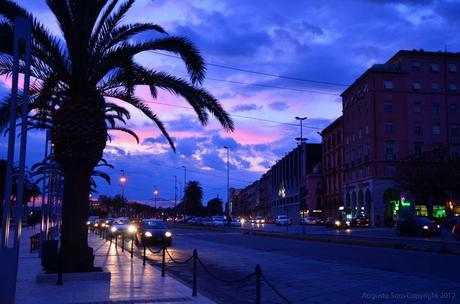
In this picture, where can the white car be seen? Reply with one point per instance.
(309, 220)
(283, 220)
(259, 220)
(218, 220)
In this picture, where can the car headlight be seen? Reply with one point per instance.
(132, 229)
(262, 221)
(438, 226)
(148, 234)
(242, 221)
(88, 223)
(337, 223)
(168, 234)
(425, 227)
(348, 223)
(95, 225)
(113, 229)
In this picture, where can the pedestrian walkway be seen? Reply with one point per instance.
(131, 282)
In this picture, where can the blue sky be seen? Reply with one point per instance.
(324, 41)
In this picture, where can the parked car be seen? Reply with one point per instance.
(360, 221)
(151, 231)
(417, 226)
(283, 220)
(218, 220)
(310, 220)
(456, 230)
(236, 222)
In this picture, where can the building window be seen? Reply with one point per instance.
(454, 131)
(435, 108)
(388, 84)
(453, 108)
(388, 106)
(418, 129)
(436, 129)
(455, 151)
(390, 170)
(452, 68)
(389, 128)
(418, 149)
(453, 87)
(389, 150)
(366, 129)
(417, 107)
(416, 66)
(434, 86)
(416, 86)
(434, 67)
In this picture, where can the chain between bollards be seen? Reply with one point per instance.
(195, 256)
(258, 273)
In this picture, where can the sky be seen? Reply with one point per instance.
(319, 47)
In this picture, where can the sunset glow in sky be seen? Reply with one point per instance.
(324, 41)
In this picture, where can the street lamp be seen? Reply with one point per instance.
(122, 180)
(228, 180)
(185, 182)
(301, 141)
(155, 193)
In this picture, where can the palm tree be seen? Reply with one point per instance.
(193, 197)
(75, 77)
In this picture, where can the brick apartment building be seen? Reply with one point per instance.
(393, 111)
(332, 139)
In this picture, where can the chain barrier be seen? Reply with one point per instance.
(276, 291)
(243, 279)
(154, 252)
(176, 261)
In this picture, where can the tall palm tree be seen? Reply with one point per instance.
(77, 74)
(193, 197)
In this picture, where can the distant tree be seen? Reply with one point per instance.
(193, 198)
(214, 206)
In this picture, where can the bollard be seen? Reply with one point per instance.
(132, 246)
(143, 261)
(258, 272)
(195, 257)
(122, 242)
(116, 241)
(163, 262)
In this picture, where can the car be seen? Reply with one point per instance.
(236, 222)
(456, 230)
(336, 223)
(310, 220)
(416, 226)
(360, 221)
(259, 220)
(151, 231)
(218, 220)
(283, 220)
(121, 226)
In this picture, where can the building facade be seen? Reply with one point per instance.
(393, 111)
(287, 195)
(313, 183)
(332, 168)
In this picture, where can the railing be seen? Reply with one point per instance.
(257, 273)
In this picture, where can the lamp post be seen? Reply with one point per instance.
(228, 180)
(185, 182)
(301, 141)
(155, 193)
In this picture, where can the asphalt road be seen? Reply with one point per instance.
(394, 260)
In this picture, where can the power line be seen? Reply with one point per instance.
(237, 115)
(261, 73)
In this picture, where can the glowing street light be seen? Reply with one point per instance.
(123, 181)
(155, 194)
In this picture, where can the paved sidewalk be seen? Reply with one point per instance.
(131, 282)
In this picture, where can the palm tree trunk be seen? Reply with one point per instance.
(76, 256)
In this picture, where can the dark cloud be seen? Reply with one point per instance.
(278, 106)
(220, 142)
(184, 123)
(246, 107)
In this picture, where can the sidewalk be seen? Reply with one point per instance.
(131, 282)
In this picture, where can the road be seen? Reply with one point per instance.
(313, 272)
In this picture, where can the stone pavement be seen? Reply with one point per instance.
(131, 282)
(305, 280)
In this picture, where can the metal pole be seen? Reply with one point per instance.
(143, 260)
(228, 179)
(132, 246)
(185, 183)
(9, 255)
(258, 272)
(301, 198)
(163, 260)
(195, 257)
